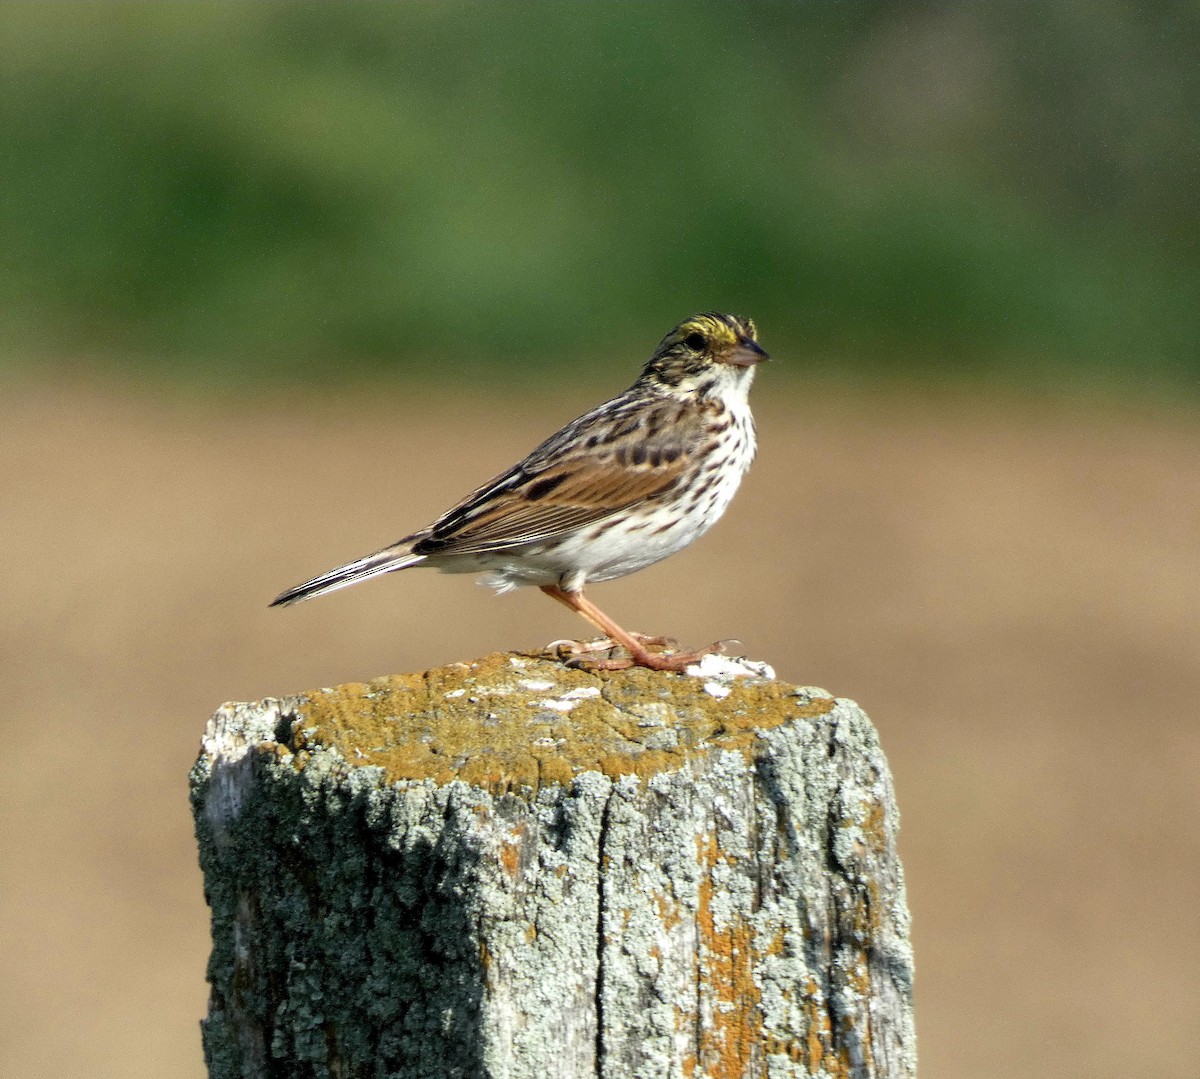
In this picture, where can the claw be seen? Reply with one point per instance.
(583, 663)
(656, 661)
(565, 647)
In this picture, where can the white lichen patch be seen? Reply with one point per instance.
(652, 713)
(456, 693)
(229, 738)
(666, 738)
(495, 689)
(812, 693)
(723, 668)
(581, 692)
(566, 701)
(536, 684)
(715, 689)
(556, 705)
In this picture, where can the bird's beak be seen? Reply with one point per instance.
(746, 354)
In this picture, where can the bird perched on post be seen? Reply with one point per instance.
(622, 487)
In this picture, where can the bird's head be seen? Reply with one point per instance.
(705, 353)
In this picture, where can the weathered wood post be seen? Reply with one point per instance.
(512, 869)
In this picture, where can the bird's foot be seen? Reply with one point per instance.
(664, 643)
(643, 657)
(565, 647)
(571, 650)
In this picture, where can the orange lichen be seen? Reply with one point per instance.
(731, 1044)
(668, 911)
(816, 1023)
(509, 723)
(510, 856)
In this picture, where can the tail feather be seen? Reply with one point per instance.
(385, 561)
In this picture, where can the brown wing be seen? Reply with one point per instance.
(595, 468)
(531, 507)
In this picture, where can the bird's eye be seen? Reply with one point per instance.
(696, 342)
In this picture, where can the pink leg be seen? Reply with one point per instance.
(635, 644)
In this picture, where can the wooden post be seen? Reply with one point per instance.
(512, 869)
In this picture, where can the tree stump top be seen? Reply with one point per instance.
(550, 723)
(510, 869)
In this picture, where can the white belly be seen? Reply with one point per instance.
(626, 542)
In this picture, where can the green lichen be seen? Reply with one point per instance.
(340, 930)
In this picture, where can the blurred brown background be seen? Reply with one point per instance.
(1009, 590)
(275, 295)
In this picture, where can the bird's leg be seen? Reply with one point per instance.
(635, 644)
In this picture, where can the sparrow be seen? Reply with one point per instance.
(629, 483)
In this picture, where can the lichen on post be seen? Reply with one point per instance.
(512, 868)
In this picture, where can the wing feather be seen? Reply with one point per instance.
(540, 499)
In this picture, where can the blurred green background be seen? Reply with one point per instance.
(303, 191)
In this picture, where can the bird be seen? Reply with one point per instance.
(625, 485)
